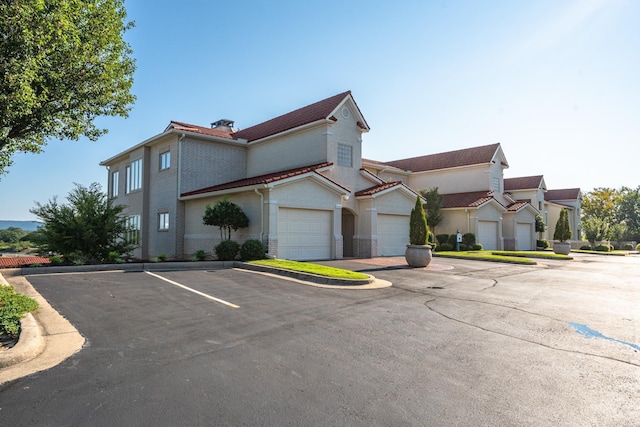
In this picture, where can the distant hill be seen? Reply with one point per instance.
(25, 225)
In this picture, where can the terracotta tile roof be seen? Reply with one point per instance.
(377, 188)
(19, 261)
(522, 183)
(311, 113)
(450, 159)
(199, 129)
(514, 207)
(262, 179)
(563, 194)
(466, 200)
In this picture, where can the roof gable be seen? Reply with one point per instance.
(473, 199)
(321, 110)
(383, 188)
(562, 194)
(450, 159)
(523, 183)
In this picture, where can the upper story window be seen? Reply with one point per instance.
(115, 183)
(163, 221)
(134, 176)
(165, 160)
(345, 155)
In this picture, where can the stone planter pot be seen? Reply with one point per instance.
(562, 248)
(418, 255)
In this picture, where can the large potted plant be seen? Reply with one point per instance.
(418, 253)
(562, 233)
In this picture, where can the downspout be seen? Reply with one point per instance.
(468, 221)
(261, 215)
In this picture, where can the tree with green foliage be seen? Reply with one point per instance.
(628, 212)
(595, 230)
(601, 203)
(418, 224)
(227, 216)
(434, 205)
(64, 63)
(12, 235)
(86, 229)
(562, 231)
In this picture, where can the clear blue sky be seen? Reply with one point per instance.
(557, 82)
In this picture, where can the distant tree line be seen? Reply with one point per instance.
(611, 214)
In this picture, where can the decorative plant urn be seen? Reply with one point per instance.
(418, 255)
(562, 248)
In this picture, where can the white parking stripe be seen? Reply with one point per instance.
(193, 290)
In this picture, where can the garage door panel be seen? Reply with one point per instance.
(393, 234)
(488, 234)
(524, 237)
(304, 234)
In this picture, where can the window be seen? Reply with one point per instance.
(163, 221)
(115, 182)
(134, 176)
(165, 160)
(496, 185)
(132, 222)
(345, 155)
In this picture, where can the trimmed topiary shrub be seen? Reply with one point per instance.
(227, 250)
(200, 255)
(452, 240)
(442, 238)
(445, 247)
(418, 224)
(542, 244)
(638, 247)
(585, 248)
(627, 247)
(251, 250)
(603, 248)
(469, 239)
(463, 247)
(477, 247)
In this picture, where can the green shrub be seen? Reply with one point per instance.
(162, 257)
(55, 260)
(542, 244)
(563, 229)
(463, 247)
(442, 238)
(477, 247)
(627, 247)
(469, 239)
(114, 257)
(13, 307)
(445, 247)
(227, 250)
(452, 240)
(603, 248)
(418, 224)
(200, 255)
(638, 247)
(252, 250)
(585, 248)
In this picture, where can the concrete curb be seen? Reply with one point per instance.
(30, 343)
(306, 276)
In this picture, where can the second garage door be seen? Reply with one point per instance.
(524, 237)
(304, 234)
(488, 234)
(393, 234)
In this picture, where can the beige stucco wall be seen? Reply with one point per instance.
(449, 181)
(200, 236)
(302, 148)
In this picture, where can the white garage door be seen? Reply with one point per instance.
(488, 234)
(304, 234)
(393, 234)
(524, 237)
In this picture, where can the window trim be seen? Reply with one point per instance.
(163, 224)
(115, 183)
(164, 165)
(134, 176)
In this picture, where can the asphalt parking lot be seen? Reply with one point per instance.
(459, 343)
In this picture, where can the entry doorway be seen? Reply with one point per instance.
(348, 230)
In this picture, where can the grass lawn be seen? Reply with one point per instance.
(305, 267)
(614, 253)
(512, 257)
(13, 307)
